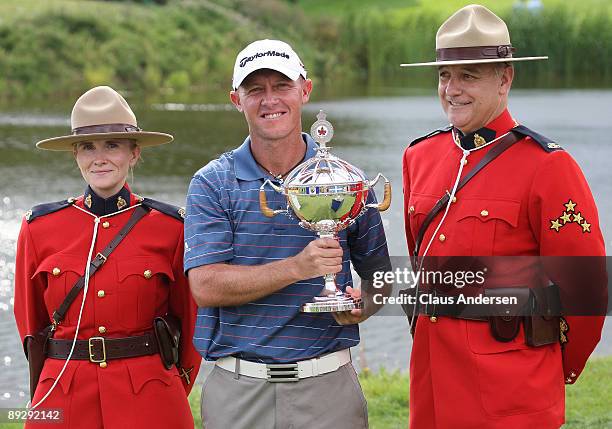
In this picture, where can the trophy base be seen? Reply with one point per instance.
(333, 303)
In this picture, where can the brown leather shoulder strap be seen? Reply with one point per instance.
(503, 144)
(97, 262)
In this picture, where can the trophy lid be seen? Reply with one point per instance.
(322, 130)
(324, 168)
(327, 170)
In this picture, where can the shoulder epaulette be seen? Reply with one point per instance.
(431, 134)
(47, 208)
(547, 144)
(165, 208)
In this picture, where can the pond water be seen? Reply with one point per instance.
(369, 132)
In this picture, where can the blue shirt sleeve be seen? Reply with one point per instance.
(208, 231)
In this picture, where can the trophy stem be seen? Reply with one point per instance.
(330, 284)
(331, 288)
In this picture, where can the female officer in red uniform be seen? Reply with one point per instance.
(114, 377)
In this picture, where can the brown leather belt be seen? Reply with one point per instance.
(537, 310)
(101, 349)
(450, 311)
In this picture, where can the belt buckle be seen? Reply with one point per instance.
(282, 372)
(91, 353)
(101, 258)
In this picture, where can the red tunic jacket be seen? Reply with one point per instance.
(142, 278)
(527, 202)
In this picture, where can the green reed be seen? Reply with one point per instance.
(578, 41)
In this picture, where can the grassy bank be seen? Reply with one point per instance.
(588, 401)
(63, 47)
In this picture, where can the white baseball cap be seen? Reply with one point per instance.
(267, 54)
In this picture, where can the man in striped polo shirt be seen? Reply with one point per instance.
(250, 274)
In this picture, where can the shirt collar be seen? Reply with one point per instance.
(105, 206)
(497, 127)
(246, 167)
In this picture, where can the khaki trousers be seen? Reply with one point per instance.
(329, 401)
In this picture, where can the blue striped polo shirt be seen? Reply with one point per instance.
(224, 224)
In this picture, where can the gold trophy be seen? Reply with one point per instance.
(327, 194)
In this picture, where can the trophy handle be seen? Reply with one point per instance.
(263, 201)
(386, 202)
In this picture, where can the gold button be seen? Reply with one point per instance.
(105, 224)
(454, 200)
(464, 162)
(148, 274)
(101, 294)
(102, 329)
(103, 364)
(568, 380)
(433, 319)
(411, 209)
(56, 271)
(484, 213)
(442, 237)
(573, 374)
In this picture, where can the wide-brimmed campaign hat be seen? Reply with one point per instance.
(473, 35)
(102, 113)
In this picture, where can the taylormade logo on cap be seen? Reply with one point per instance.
(245, 60)
(267, 54)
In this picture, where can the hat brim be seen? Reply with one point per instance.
(143, 138)
(287, 71)
(482, 61)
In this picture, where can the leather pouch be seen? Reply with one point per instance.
(505, 319)
(543, 325)
(542, 330)
(168, 333)
(35, 349)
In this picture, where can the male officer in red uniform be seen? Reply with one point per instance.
(532, 200)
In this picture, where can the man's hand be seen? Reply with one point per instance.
(353, 316)
(321, 256)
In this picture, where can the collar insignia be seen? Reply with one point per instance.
(476, 139)
(121, 203)
(106, 206)
(479, 141)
